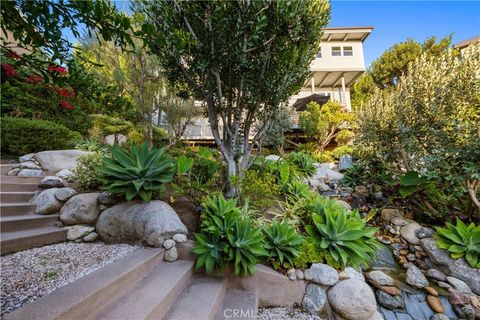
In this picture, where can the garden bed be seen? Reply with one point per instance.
(31, 274)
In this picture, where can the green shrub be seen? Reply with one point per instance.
(344, 137)
(304, 162)
(21, 136)
(260, 189)
(344, 235)
(355, 175)
(137, 173)
(341, 151)
(310, 253)
(461, 241)
(85, 172)
(282, 243)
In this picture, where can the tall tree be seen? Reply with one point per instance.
(242, 58)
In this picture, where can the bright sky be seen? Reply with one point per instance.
(395, 21)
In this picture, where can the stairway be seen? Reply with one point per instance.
(143, 286)
(20, 227)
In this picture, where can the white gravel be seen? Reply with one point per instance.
(285, 313)
(30, 274)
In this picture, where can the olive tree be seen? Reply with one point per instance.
(242, 58)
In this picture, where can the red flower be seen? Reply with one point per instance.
(13, 55)
(9, 70)
(34, 78)
(57, 69)
(66, 105)
(62, 92)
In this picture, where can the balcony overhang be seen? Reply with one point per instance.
(332, 78)
(345, 34)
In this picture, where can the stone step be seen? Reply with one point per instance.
(238, 304)
(14, 241)
(24, 222)
(16, 196)
(200, 300)
(20, 180)
(15, 209)
(152, 296)
(4, 168)
(12, 187)
(79, 299)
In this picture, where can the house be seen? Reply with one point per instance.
(337, 65)
(462, 45)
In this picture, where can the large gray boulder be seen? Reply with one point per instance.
(352, 299)
(152, 222)
(409, 232)
(46, 202)
(57, 160)
(458, 268)
(322, 274)
(314, 299)
(80, 209)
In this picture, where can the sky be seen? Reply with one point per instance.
(395, 21)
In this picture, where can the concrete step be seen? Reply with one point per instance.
(14, 241)
(16, 196)
(16, 209)
(19, 187)
(24, 222)
(200, 300)
(152, 296)
(19, 180)
(238, 304)
(79, 299)
(4, 168)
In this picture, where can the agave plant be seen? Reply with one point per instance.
(461, 241)
(303, 162)
(210, 251)
(282, 242)
(137, 173)
(345, 236)
(219, 214)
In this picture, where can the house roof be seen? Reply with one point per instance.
(347, 33)
(466, 43)
(301, 104)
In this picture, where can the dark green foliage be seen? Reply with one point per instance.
(310, 253)
(282, 243)
(21, 136)
(354, 176)
(304, 162)
(137, 173)
(461, 241)
(259, 188)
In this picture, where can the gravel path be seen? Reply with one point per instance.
(285, 313)
(30, 274)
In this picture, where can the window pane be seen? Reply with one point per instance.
(347, 51)
(319, 53)
(336, 51)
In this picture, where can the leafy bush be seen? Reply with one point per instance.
(21, 136)
(354, 176)
(227, 237)
(304, 162)
(282, 243)
(344, 137)
(137, 173)
(344, 235)
(260, 189)
(461, 241)
(310, 253)
(85, 172)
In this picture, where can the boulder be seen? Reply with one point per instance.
(344, 204)
(46, 202)
(458, 268)
(65, 174)
(415, 278)
(314, 299)
(179, 237)
(78, 232)
(109, 199)
(345, 162)
(388, 214)
(30, 165)
(13, 172)
(152, 222)
(424, 233)
(352, 299)
(80, 209)
(390, 302)
(90, 237)
(354, 274)
(30, 173)
(57, 160)
(322, 274)
(379, 279)
(27, 157)
(51, 182)
(171, 254)
(64, 194)
(272, 157)
(459, 285)
(409, 232)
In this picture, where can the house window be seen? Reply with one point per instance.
(319, 53)
(348, 51)
(336, 51)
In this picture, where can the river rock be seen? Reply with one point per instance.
(314, 299)
(27, 157)
(345, 162)
(344, 204)
(65, 174)
(80, 209)
(57, 160)
(152, 222)
(30, 173)
(388, 214)
(436, 274)
(51, 182)
(435, 304)
(168, 244)
(171, 254)
(393, 291)
(64, 194)
(415, 278)
(459, 285)
(424, 233)
(458, 268)
(353, 274)
(30, 165)
(322, 274)
(431, 291)
(46, 202)
(456, 297)
(78, 232)
(439, 316)
(388, 301)
(384, 258)
(13, 172)
(379, 278)
(179, 237)
(408, 232)
(108, 199)
(90, 237)
(352, 299)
